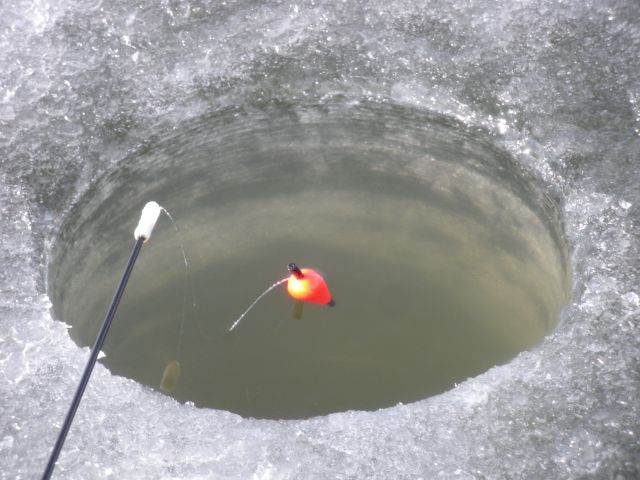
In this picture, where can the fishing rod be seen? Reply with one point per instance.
(142, 233)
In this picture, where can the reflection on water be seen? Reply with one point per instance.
(438, 272)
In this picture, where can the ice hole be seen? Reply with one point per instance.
(443, 257)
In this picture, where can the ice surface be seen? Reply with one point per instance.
(85, 82)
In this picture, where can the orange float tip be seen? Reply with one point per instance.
(307, 285)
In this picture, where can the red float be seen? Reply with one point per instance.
(307, 285)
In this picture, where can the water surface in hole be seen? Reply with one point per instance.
(439, 272)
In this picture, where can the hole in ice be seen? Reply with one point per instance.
(443, 258)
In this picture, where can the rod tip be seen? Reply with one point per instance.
(148, 219)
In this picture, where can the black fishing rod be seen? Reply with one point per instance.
(142, 233)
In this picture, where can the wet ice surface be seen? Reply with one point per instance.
(83, 83)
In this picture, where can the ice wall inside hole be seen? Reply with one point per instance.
(557, 82)
(255, 194)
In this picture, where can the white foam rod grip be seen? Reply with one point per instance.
(148, 219)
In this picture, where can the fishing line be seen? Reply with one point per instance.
(188, 286)
(279, 282)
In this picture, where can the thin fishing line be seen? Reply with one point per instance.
(279, 282)
(188, 285)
